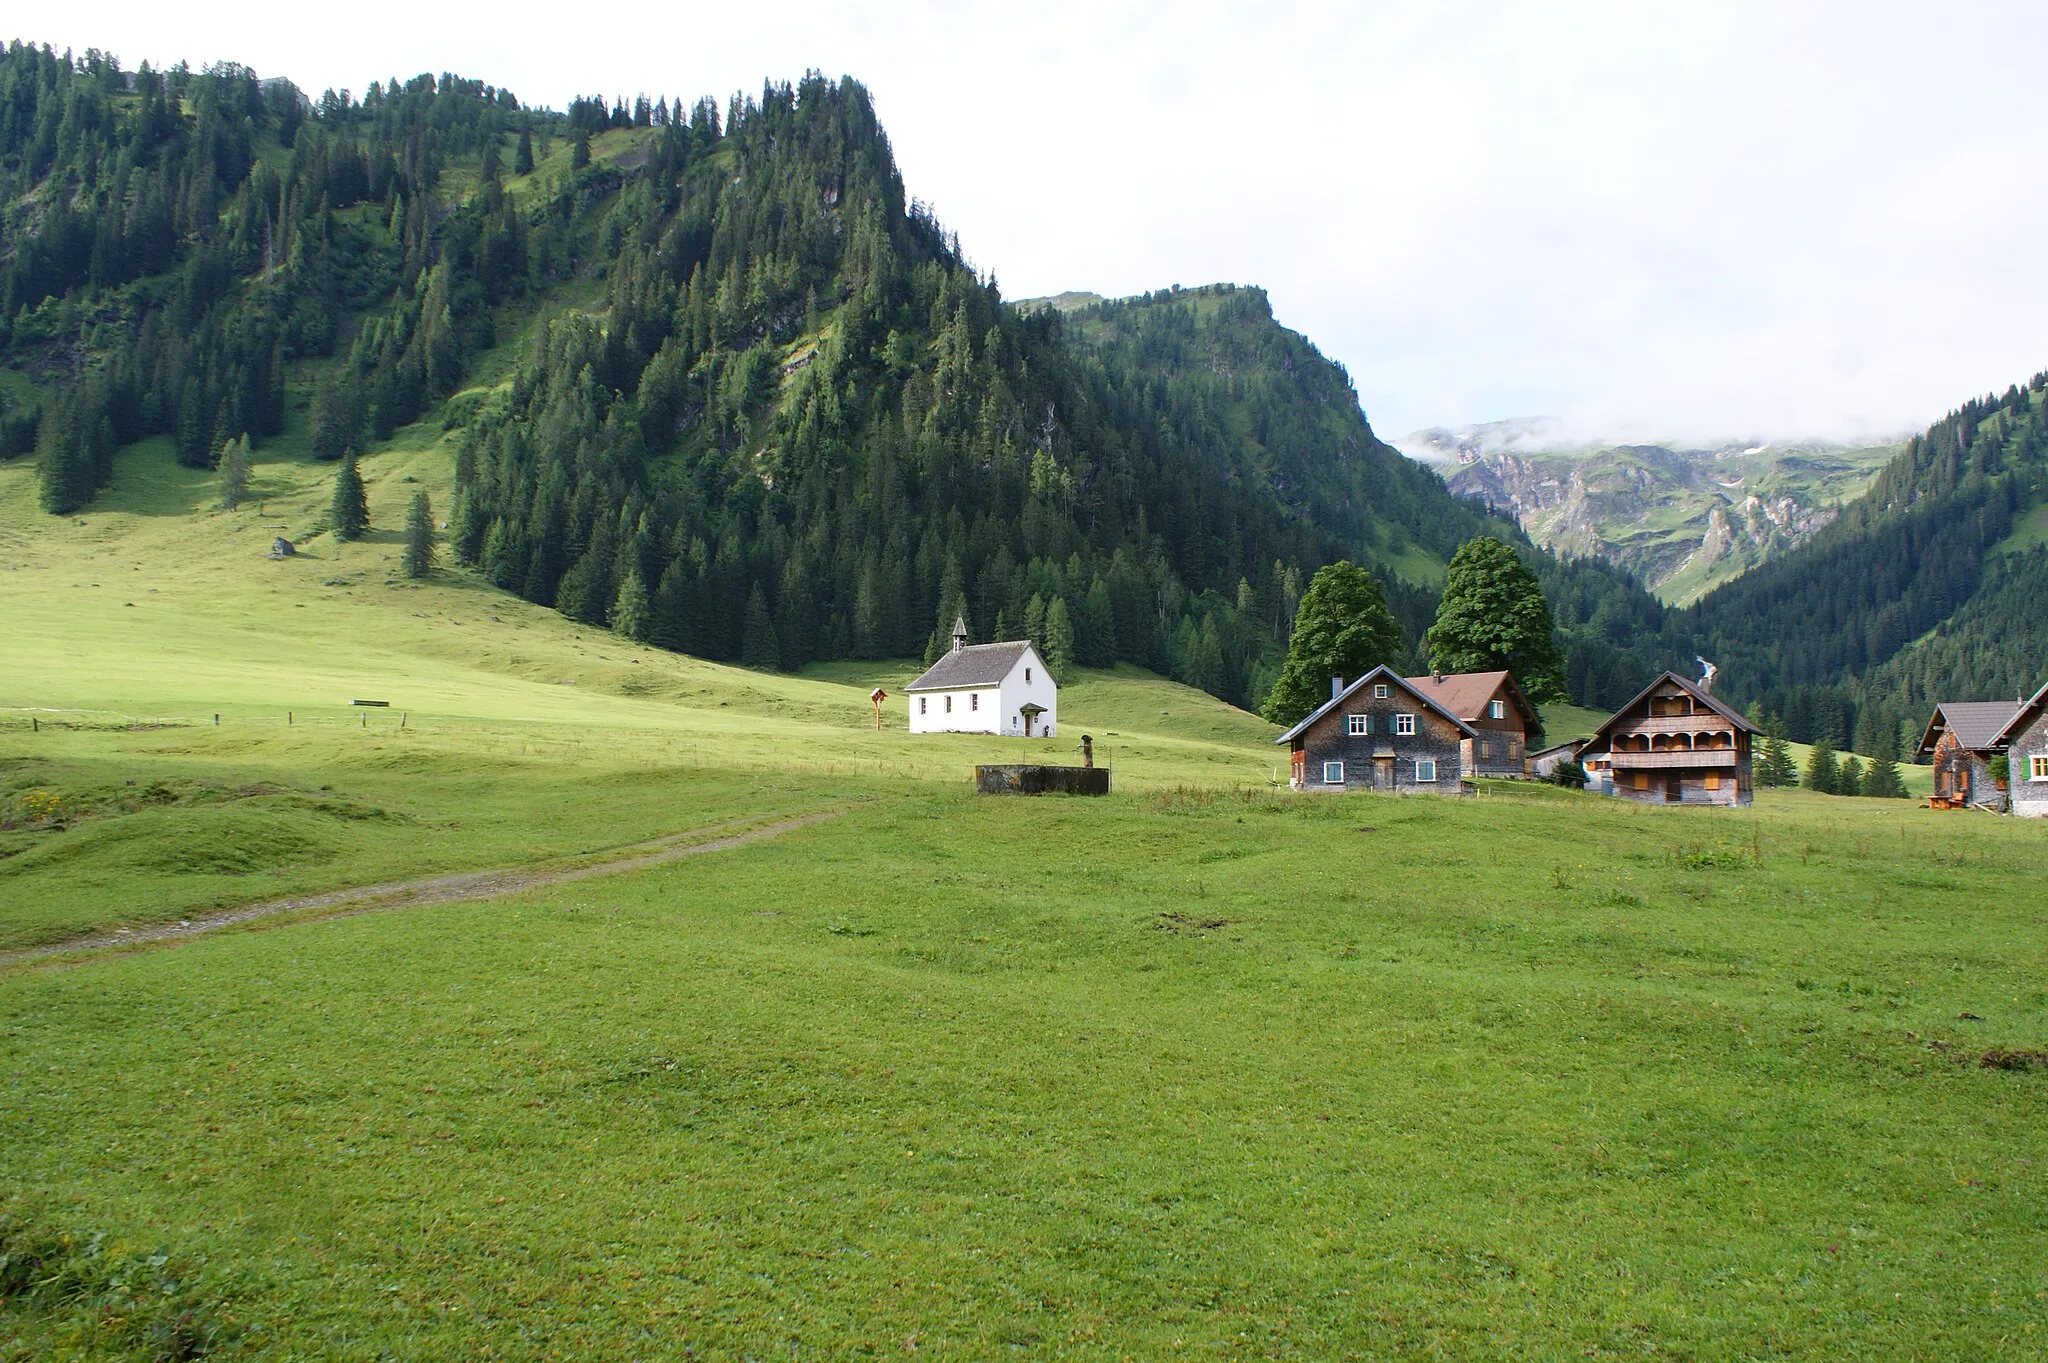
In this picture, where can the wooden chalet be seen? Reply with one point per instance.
(1380, 733)
(1493, 705)
(1673, 744)
(1960, 740)
(2025, 741)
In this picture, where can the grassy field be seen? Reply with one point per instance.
(1200, 1069)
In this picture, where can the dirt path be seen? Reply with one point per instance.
(448, 889)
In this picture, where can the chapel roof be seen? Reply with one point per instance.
(972, 665)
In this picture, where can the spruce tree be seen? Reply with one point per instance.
(350, 511)
(522, 160)
(1883, 780)
(1343, 628)
(234, 473)
(1777, 768)
(1059, 640)
(579, 150)
(419, 536)
(1820, 767)
(63, 475)
(1493, 616)
(1034, 623)
(633, 613)
(1849, 778)
(758, 646)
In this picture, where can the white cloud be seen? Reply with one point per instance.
(1693, 220)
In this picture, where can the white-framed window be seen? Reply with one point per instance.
(974, 700)
(920, 704)
(949, 705)
(1333, 773)
(1027, 676)
(1381, 691)
(1425, 769)
(1405, 724)
(1496, 709)
(1358, 726)
(2037, 768)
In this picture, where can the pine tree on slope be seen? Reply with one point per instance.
(350, 513)
(419, 536)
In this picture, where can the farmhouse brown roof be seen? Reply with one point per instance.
(973, 665)
(1975, 723)
(1465, 694)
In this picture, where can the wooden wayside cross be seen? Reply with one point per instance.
(878, 695)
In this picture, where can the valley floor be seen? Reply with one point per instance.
(1201, 1068)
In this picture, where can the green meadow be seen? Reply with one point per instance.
(1202, 1069)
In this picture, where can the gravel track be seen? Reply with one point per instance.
(448, 889)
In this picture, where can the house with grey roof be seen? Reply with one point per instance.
(1961, 739)
(1001, 688)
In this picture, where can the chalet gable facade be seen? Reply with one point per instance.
(1673, 744)
(1500, 716)
(2025, 741)
(1960, 740)
(1380, 733)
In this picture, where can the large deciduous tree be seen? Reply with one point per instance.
(1343, 628)
(1493, 616)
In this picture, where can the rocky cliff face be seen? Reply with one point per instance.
(1683, 520)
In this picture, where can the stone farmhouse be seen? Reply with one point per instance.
(1961, 739)
(985, 689)
(1500, 716)
(1380, 733)
(2025, 741)
(1673, 744)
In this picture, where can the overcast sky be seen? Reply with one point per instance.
(1664, 221)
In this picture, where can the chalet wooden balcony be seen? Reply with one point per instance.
(1675, 757)
(1705, 722)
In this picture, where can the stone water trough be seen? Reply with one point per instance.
(1030, 778)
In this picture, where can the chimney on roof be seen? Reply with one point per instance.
(959, 632)
(1436, 674)
(1336, 687)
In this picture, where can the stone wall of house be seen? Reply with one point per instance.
(2029, 796)
(1329, 740)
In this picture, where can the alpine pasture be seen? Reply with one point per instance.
(1204, 1068)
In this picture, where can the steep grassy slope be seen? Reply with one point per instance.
(131, 628)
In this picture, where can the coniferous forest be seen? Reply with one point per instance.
(763, 408)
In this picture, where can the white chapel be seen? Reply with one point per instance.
(986, 689)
